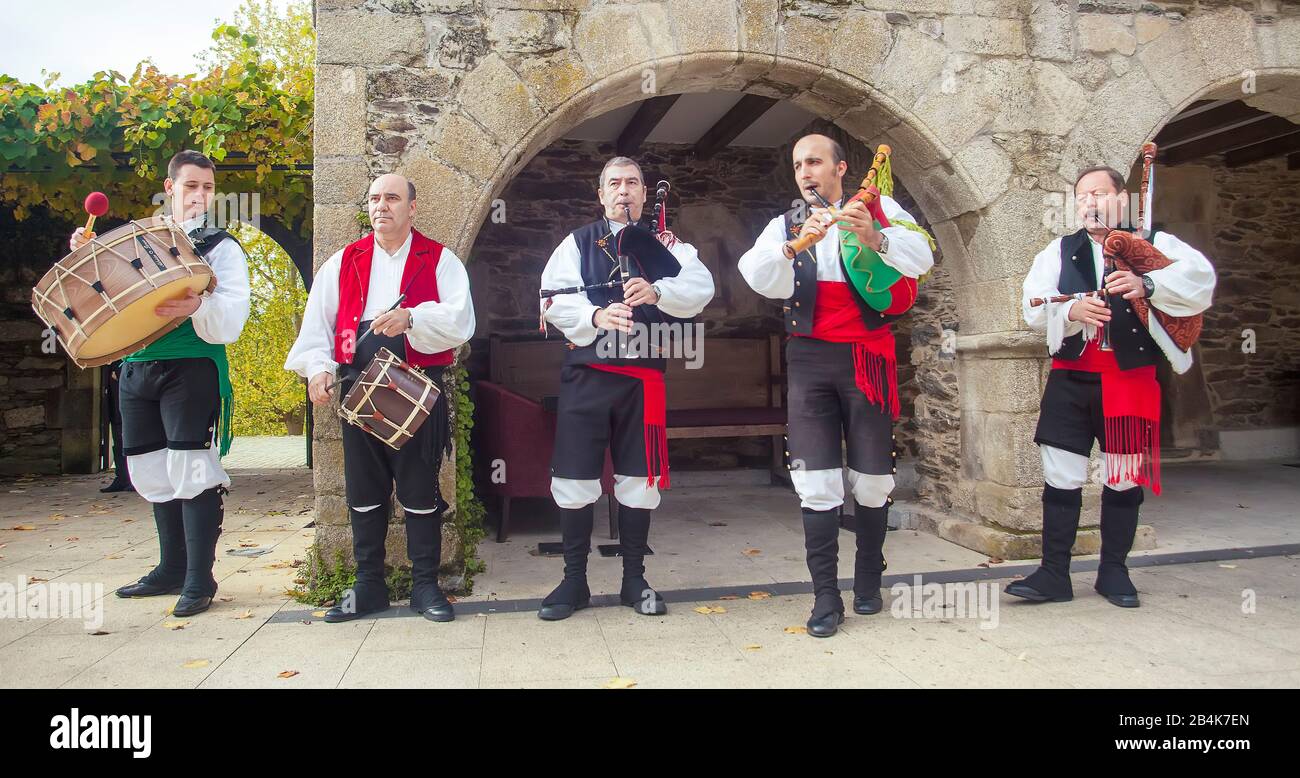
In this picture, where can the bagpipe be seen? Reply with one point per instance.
(880, 285)
(1133, 252)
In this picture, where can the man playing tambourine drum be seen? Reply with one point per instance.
(350, 316)
(176, 400)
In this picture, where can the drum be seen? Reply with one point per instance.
(100, 299)
(391, 399)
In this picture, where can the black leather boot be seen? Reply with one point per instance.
(1051, 581)
(572, 594)
(869, 563)
(202, 516)
(821, 536)
(424, 547)
(370, 592)
(1119, 521)
(634, 537)
(169, 575)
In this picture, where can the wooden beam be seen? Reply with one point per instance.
(1265, 129)
(647, 117)
(1212, 120)
(1278, 147)
(730, 126)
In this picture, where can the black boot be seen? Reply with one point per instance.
(1051, 581)
(1119, 521)
(572, 594)
(169, 575)
(370, 592)
(424, 547)
(634, 537)
(871, 525)
(821, 535)
(202, 516)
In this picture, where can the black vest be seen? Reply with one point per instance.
(1133, 344)
(799, 307)
(206, 239)
(600, 264)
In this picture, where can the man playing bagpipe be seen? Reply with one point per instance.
(399, 290)
(618, 281)
(1103, 382)
(176, 401)
(844, 273)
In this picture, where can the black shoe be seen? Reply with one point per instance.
(1022, 589)
(635, 594)
(1123, 600)
(117, 486)
(142, 589)
(339, 614)
(191, 606)
(866, 606)
(571, 595)
(439, 612)
(825, 626)
(424, 548)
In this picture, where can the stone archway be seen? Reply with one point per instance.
(989, 112)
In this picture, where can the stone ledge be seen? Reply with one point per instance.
(1010, 545)
(1019, 344)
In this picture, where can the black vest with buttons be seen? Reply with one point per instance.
(1133, 344)
(598, 265)
(798, 308)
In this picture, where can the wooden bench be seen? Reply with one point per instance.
(737, 391)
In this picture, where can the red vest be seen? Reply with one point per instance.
(419, 280)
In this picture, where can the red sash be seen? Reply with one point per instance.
(655, 416)
(837, 319)
(1130, 406)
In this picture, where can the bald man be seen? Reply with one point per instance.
(353, 293)
(841, 366)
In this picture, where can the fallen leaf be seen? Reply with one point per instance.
(56, 516)
(752, 552)
(277, 565)
(195, 664)
(451, 598)
(752, 647)
(98, 632)
(729, 597)
(127, 521)
(619, 683)
(114, 556)
(226, 599)
(248, 614)
(318, 614)
(760, 595)
(707, 609)
(796, 630)
(1229, 567)
(175, 625)
(73, 538)
(37, 580)
(996, 560)
(287, 674)
(22, 527)
(248, 545)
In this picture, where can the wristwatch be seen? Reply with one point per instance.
(1148, 286)
(659, 295)
(884, 244)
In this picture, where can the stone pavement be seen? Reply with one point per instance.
(266, 452)
(1233, 622)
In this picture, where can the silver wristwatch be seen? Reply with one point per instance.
(884, 244)
(658, 294)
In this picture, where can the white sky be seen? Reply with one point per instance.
(79, 37)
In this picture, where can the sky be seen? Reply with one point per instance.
(79, 37)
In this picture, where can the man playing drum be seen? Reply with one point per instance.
(175, 399)
(356, 291)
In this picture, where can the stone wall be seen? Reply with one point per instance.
(1243, 219)
(48, 407)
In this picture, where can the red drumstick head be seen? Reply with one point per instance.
(96, 204)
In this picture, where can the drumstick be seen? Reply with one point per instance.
(96, 205)
(364, 335)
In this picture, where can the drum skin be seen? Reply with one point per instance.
(99, 325)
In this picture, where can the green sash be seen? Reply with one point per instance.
(184, 343)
